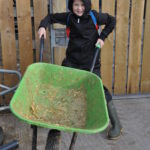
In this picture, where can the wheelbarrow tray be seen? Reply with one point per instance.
(62, 98)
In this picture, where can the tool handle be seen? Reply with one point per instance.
(41, 48)
(95, 57)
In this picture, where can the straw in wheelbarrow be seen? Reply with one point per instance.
(59, 102)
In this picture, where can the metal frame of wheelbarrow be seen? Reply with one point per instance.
(74, 137)
(5, 90)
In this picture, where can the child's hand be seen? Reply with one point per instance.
(41, 32)
(100, 42)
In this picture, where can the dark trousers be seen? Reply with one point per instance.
(96, 70)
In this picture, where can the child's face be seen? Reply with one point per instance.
(78, 7)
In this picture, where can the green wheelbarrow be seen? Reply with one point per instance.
(61, 98)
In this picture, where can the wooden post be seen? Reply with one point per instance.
(40, 11)
(107, 51)
(59, 52)
(8, 42)
(135, 46)
(59, 6)
(121, 46)
(95, 5)
(24, 33)
(145, 82)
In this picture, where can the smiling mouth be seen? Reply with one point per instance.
(79, 12)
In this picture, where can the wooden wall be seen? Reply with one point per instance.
(124, 58)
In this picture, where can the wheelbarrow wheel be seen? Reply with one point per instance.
(53, 140)
(1, 136)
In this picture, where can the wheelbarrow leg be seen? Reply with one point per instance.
(72, 145)
(1, 136)
(53, 140)
(34, 137)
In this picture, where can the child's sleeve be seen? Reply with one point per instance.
(54, 18)
(107, 20)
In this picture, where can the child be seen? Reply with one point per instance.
(81, 47)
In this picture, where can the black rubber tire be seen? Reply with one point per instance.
(53, 140)
(1, 136)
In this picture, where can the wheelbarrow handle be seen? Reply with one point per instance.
(95, 57)
(41, 48)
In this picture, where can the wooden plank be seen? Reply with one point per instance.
(1, 98)
(95, 5)
(8, 42)
(40, 11)
(24, 33)
(107, 51)
(60, 53)
(7, 34)
(59, 6)
(121, 46)
(145, 81)
(135, 46)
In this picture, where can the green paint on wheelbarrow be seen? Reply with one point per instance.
(62, 98)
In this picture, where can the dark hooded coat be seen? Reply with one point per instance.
(83, 34)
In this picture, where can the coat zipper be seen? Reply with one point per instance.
(78, 21)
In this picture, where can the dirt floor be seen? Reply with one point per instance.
(134, 115)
